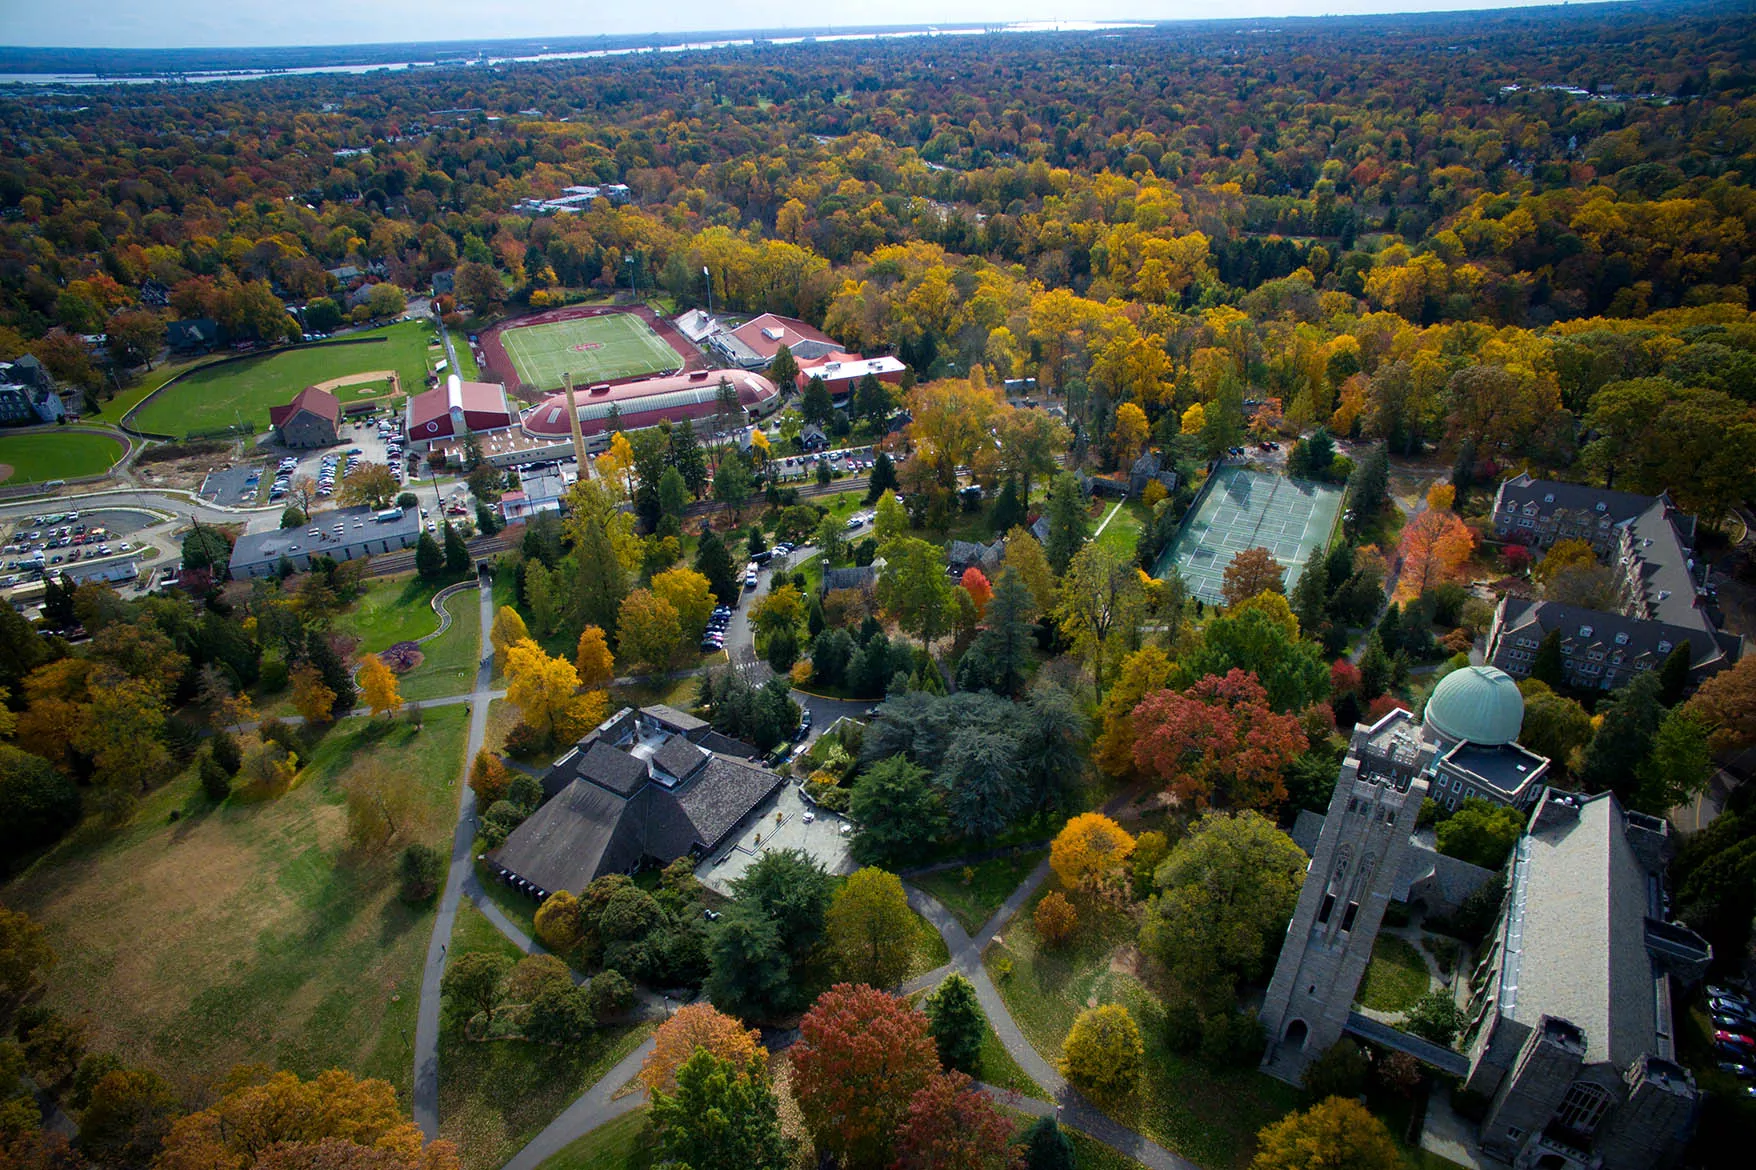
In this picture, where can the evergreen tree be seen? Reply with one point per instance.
(1005, 645)
(1067, 522)
(686, 457)
(1546, 666)
(429, 558)
(1614, 757)
(871, 402)
(456, 551)
(783, 371)
(1312, 457)
(335, 673)
(1309, 599)
(1375, 668)
(1463, 471)
(1009, 507)
(600, 581)
(487, 520)
(1368, 487)
(1673, 675)
(816, 406)
(956, 1023)
(673, 496)
(715, 563)
(882, 479)
(58, 602)
(1046, 1147)
(651, 457)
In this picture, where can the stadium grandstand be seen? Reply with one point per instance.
(456, 406)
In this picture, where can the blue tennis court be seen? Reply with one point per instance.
(1241, 509)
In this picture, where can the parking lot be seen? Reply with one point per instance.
(64, 538)
(852, 461)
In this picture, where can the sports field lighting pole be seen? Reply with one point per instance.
(709, 278)
(632, 291)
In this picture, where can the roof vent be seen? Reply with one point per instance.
(1549, 499)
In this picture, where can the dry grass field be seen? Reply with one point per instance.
(251, 931)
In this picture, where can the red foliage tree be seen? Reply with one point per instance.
(1219, 743)
(861, 1057)
(951, 1125)
(1344, 677)
(1382, 706)
(980, 590)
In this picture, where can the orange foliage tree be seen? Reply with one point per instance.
(699, 1025)
(1434, 547)
(1055, 918)
(976, 584)
(1090, 848)
(1218, 743)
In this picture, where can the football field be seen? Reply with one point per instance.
(592, 349)
(1291, 518)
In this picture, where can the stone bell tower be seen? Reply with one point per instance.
(1347, 888)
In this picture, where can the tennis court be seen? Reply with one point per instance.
(601, 348)
(1241, 509)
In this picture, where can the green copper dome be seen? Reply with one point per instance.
(1480, 704)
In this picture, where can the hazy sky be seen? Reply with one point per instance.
(190, 23)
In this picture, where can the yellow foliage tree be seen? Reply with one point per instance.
(1441, 496)
(557, 922)
(378, 686)
(1337, 1131)
(508, 630)
(1146, 670)
(542, 688)
(311, 698)
(1129, 435)
(488, 778)
(690, 595)
(698, 1025)
(1194, 419)
(1104, 1053)
(1090, 849)
(593, 661)
(648, 631)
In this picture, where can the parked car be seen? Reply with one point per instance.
(1738, 1069)
(1735, 1040)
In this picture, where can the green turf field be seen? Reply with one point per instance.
(45, 455)
(625, 347)
(211, 398)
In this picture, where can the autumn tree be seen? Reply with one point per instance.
(1130, 433)
(720, 1113)
(861, 1057)
(1146, 670)
(311, 698)
(507, 631)
(1103, 1053)
(593, 662)
(648, 632)
(1103, 602)
(1337, 1131)
(697, 1027)
(1055, 919)
(557, 922)
(381, 804)
(1218, 743)
(975, 583)
(950, 1122)
(1434, 547)
(1726, 703)
(1252, 571)
(1026, 560)
(690, 595)
(1260, 637)
(1090, 849)
(870, 929)
(488, 778)
(122, 730)
(369, 485)
(276, 1119)
(378, 685)
(544, 690)
(914, 590)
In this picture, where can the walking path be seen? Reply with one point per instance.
(426, 1095)
(1107, 519)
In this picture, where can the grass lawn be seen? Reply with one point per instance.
(520, 909)
(1091, 1154)
(126, 400)
(391, 610)
(449, 665)
(1396, 977)
(1123, 531)
(620, 1144)
(975, 902)
(930, 949)
(1208, 1116)
(251, 931)
(45, 455)
(210, 399)
(996, 1067)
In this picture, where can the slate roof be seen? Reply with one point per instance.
(678, 721)
(1579, 907)
(1530, 619)
(858, 577)
(722, 794)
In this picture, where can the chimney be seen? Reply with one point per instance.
(573, 424)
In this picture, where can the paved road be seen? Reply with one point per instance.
(426, 1098)
(596, 1106)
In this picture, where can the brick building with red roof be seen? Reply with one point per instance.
(311, 419)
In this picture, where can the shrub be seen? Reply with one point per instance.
(558, 923)
(225, 752)
(524, 741)
(610, 995)
(1056, 919)
(422, 868)
(1339, 1072)
(215, 781)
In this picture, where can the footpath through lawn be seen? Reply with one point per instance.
(254, 932)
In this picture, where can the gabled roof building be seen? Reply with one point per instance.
(645, 786)
(455, 406)
(311, 419)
